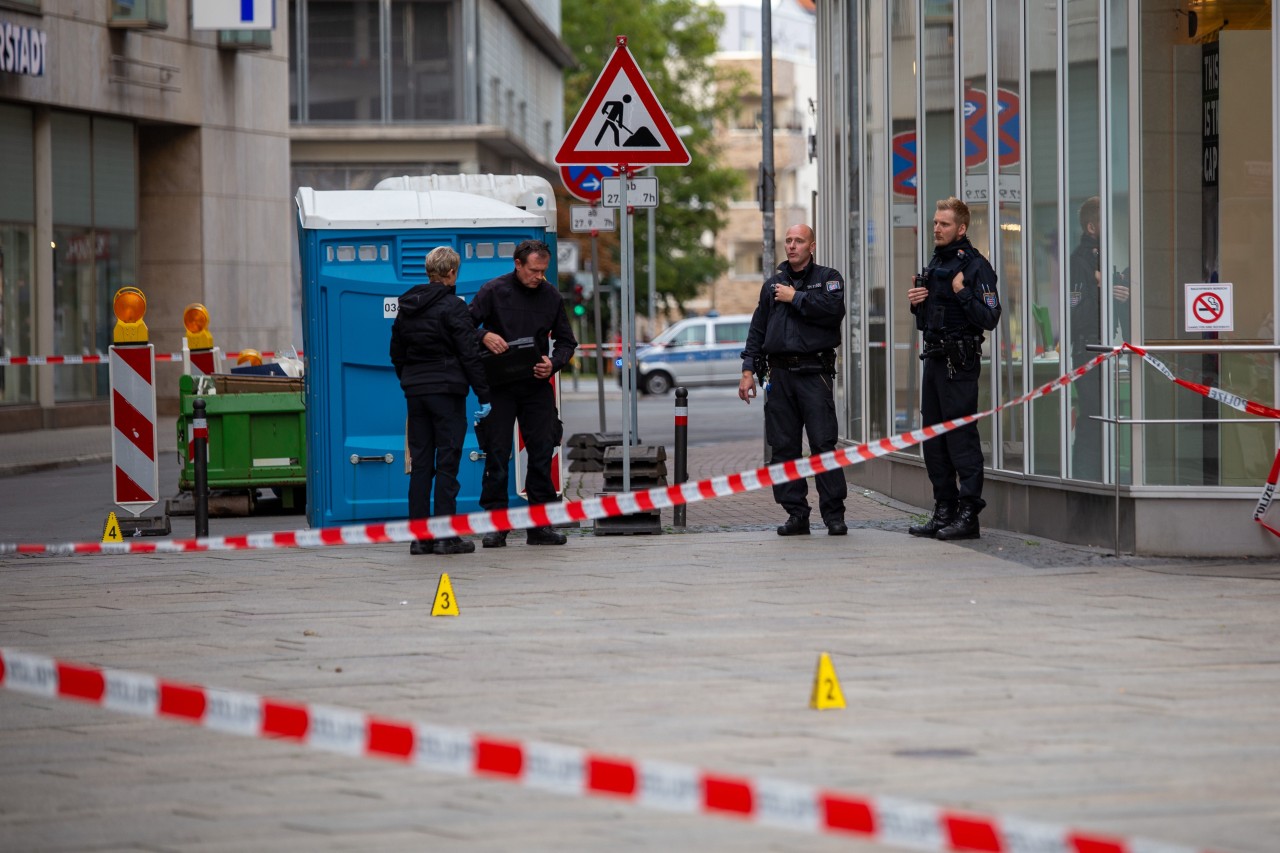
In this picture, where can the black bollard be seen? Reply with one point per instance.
(200, 456)
(678, 514)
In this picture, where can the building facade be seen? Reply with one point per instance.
(1161, 115)
(795, 173)
(136, 150)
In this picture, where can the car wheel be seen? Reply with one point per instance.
(657, 383)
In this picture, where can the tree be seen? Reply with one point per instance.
(673, 42)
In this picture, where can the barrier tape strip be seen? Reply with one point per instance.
(546, 515)
(103, 358)
(627, 503)
(555, 768)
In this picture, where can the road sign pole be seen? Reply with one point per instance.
(627, 303)
(597, 296)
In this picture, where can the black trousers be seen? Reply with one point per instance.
(437, 428)
(953, 460)
(802, 404)
(533, 404)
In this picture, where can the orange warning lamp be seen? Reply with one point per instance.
(196, 318)
(249, 356)
(130, 306)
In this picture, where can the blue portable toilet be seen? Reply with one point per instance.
(360, 250)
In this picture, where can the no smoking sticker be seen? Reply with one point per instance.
(1209, 307)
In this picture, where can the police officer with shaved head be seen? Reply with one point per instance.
(954, 300)
(793, 338)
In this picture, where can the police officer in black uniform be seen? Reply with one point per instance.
(793, 338)
(954, 300)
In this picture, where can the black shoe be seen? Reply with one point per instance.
(964, 527)
(944, 512)
(496, 539)
(797, 525)
(837, 528)
(421, 547)
(455, 545)
(545, 536)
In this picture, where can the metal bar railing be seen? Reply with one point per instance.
(1115, 420)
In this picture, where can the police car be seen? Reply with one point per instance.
(694, 351)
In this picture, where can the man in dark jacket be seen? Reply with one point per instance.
(793, 338)
(523, 304)
(954, 300)
(433, 348)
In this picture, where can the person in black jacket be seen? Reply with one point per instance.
(954, 300)
(1085, 273)
(433, 349)
(793, 338)
(523, 304)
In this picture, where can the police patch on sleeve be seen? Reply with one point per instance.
(834, 286)
(990, 299)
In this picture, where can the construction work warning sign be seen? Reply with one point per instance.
(621, 121)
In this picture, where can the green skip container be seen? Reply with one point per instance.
(257, 435)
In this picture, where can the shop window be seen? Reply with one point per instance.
(139, 14)
(244, 39)
(374, 61)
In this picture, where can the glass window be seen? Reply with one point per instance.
(1007, 253)
(1208, 173)
(425, 76)
(877, 187)
(1041, 269)
(94, 175)
(905, 236)
(1115, 248)
(1084, 225)
(373, 61)
(690, 335)
(732, 333)
(17, 258)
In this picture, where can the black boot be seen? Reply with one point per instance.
(965, 526)
(944, 512)
(544, 536)
(496, 539)
(797, 525)
(455, 545)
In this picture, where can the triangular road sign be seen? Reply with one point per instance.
(621, 121)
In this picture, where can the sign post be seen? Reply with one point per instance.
(622, 122)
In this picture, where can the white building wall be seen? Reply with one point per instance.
(521, 88)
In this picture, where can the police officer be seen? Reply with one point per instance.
(954, 300)
(793, 338)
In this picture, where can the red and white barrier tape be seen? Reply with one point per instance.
(102, 358)
(624, 503)
(545, 515)
(559, 769)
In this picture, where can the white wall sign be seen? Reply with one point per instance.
(390, 307)
(1209, 307)
(233, 14)
(22, 49)
(566, 258)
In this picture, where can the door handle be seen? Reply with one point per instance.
(356, 459)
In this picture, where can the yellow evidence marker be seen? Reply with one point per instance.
(111, 531)
(826, 687)
(446, 604)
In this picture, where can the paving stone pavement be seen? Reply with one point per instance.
(1005, 676)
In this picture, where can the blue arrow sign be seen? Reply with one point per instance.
(584, 181)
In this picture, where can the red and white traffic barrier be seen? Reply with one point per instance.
(135, 467)
(566, 770)
(547, 515)
(103, 358)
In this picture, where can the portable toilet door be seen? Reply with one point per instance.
(360, 250)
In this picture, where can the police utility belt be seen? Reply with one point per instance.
(807, 362)
(960, 351)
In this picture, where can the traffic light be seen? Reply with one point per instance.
(578, 299)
